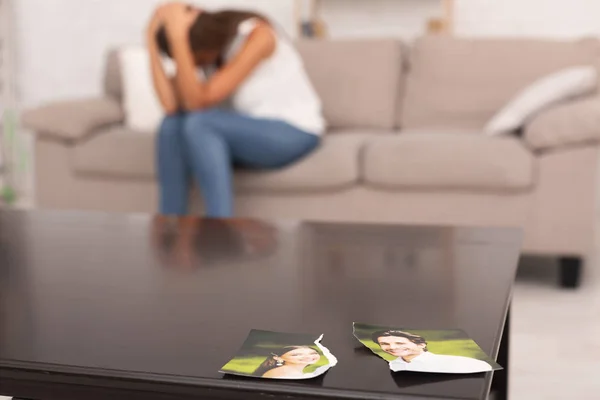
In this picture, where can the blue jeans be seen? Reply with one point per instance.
(207, 144)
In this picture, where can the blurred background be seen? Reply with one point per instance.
(47, 32)
(55, 49)
(60, 44)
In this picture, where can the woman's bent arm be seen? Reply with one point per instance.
(198, 94)
(165, 90)
(162, 84)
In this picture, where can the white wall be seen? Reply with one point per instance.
(542, 18)
(407, 18)
(61, 43)
(376, 18)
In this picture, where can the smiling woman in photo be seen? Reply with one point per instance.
(288, 362)
(281, 355)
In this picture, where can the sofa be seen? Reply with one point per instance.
(404, 145)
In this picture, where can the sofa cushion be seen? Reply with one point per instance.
(553, 89)
(335, 165)
(434, 161)
(125, 154)
(141, 102)
(73, 120)
(117, 152)
(462, 83)
(113, 85)
(359, 81)
(356, 91)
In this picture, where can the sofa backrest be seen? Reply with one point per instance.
(462, 83)
(112, 76)
(359, 81)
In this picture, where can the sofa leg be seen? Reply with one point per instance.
(570, 272)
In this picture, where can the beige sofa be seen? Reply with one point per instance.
(405, 145)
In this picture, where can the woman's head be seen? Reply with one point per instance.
(289, 356)
(294, 355)
(210, 34)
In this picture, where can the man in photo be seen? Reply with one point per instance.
(413, 355)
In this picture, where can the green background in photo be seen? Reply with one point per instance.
(448, 342)
(259, 345)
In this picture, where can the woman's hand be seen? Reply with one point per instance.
(179, 18)
(164, 13)
(156, 22)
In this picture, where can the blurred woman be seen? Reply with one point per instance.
(274, 118)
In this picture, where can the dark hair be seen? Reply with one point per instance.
(271, 363)
(212, 31)
(416, 339)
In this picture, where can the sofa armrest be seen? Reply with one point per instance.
(569, 124)
(73, 120)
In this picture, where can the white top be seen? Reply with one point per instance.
(279, 87)
(429, 362)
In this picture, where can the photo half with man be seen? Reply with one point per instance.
(277, 355)
(417, 350)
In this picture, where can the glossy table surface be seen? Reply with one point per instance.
(136, 305)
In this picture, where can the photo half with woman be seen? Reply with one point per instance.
(277, 355)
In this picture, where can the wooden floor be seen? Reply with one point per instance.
(555, 344)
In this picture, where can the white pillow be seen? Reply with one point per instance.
(545, 92)
(143, 111)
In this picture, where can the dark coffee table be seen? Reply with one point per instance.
(103, 306)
